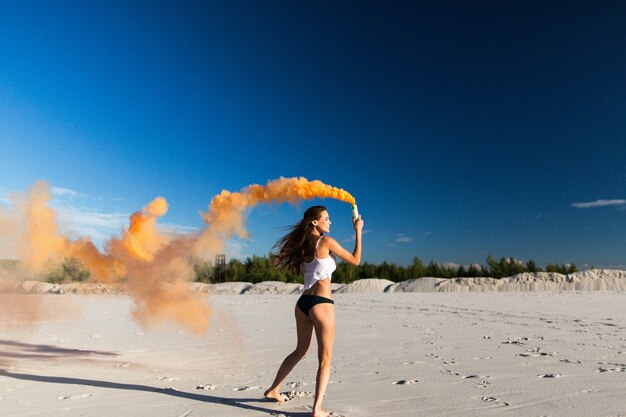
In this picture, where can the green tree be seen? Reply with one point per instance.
(417, 268)
(236, 270)
(531, 266)
(434, 270)
(474, 271)
(493, 269)
(257, 270)
(345, 273)
(367, 270)
(203, 270)
(461, 272)
(70, 270)
(384, 271)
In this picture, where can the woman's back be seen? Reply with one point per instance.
(318, 269)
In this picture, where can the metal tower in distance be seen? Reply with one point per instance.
(220, 268)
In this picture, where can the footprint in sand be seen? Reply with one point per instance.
(515, 341)
(535, 353)
(297, 384)
(308, 409)
(167, 378)
(449, 372)
(405, 382)
(207, 387)
(246, 388)
(73, 397)
(612, 367)
(122, 365)
(494, 400)
(569, 361)
(293, 394)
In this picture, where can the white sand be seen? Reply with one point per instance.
(396, 354)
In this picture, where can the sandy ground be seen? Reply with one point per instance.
(396, 354)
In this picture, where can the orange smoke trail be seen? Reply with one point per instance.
(142, 239)
(155, 267)
(226, 215)
(40, 240)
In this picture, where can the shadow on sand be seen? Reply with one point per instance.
(228, 402)
(21, 350)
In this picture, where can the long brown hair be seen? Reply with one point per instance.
(295, 245)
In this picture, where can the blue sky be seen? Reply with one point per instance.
(462, 130)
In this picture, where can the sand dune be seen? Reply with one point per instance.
(590, 280)
(367, 286)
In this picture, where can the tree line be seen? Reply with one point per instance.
(259, 268)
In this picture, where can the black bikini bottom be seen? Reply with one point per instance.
(306, 302)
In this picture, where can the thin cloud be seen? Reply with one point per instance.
(99, 225)
(353, 238)
(600, 203)
(175, 230)
(402, 238)
(236, 249)
(85, 222)
(65, 192)
(5, 196)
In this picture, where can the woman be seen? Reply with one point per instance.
(307, 245)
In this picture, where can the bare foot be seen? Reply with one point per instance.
(274, 395)
(321, 413)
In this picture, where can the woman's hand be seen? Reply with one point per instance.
(358, 224)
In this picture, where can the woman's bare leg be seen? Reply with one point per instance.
(304, 328)
(323, 318)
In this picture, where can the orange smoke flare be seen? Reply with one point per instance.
(40, 240)
(155, 267)
(226, 214)
(142, 238)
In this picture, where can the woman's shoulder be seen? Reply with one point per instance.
(327, 241)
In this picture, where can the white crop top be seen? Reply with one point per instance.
(318, 269)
